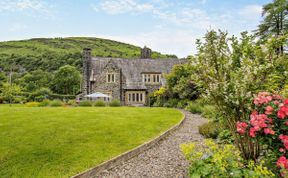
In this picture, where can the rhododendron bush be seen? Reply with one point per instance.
(268, 126)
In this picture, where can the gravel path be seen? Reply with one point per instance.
(163, 160)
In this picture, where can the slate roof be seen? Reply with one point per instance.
(132, 69)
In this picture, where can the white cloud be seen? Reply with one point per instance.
(251, 12)
(22, 5)
(169, 42)
(191, 23)
(160, 9)
(179, 42)
(193, 17)
(123, 6)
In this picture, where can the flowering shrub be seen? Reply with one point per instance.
(268, 124)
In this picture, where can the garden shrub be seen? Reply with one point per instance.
(182, 104)
(115, 103)
(19, 99)
(152, 100)
(44, 103)
(100, 103)
(32, 104)
(39, 94)
(156, 104)
(268, 127)
(86, 103)
(194, 107)
(213, 160)
(173, 102)
(230, 71)
(71, 103)
(209, 112)
(284, 92)
(62, 97)
(56, 103)
(225, 137)
(210, 129)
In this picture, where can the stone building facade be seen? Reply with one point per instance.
(127, 80)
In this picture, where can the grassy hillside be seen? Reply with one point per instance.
(49, 54)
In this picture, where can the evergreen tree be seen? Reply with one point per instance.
(275, 22)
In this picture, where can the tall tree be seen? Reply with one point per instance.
(67, 80)
(180, 84)
(275, 22)
(10, 92)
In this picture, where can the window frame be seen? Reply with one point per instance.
(152, 78)
(110, 78)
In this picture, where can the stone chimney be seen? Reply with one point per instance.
(86, 71)
(146, 53)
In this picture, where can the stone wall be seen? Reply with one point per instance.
(146, 53)
(87, 65)
(100, 83)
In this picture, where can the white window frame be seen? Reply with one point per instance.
(135, 97)
(110, 78)
(153, 78)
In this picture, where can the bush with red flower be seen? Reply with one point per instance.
(268, 125)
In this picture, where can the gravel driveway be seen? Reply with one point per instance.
(163, 160)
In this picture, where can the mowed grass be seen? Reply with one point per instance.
(61, 142)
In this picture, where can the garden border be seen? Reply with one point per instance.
(129, 154)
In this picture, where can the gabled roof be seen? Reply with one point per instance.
(132, 69)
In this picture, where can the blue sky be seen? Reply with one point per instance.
(168, 26)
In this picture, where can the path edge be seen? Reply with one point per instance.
(131, 153)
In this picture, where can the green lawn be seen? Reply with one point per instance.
(61, 142)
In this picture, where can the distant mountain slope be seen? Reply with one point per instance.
(51, 53)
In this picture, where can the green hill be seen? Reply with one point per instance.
(49, 54)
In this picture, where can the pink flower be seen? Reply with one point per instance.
(276, 102)
(269, 131)
(269, 98)
(268, 110)
(285, 101)
(283, 136)
(241, 127)
(277, 97)
(254, 113)
(283, 112)
(282, 162)
(252, 132)
(262, 98)
(286, 123)
(284, 140)
(269, 120)
(258, 121)
(282, 150)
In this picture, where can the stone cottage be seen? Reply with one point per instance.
(127, 80)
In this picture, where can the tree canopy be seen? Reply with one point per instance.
(67, 80)
(275, 23)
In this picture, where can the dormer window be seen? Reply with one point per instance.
(110, 78)
(151, 78)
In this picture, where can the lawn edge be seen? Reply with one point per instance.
(131, 153)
